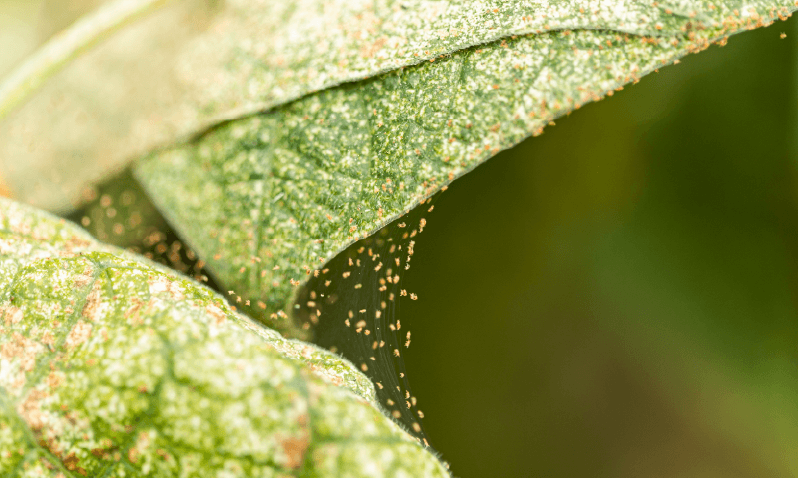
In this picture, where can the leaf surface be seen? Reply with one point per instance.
(268, 199)
(112, 366)
(194, 63)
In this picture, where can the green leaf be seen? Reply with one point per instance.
(193, 63)
(68, 45)
(293, 186)
(112, 366)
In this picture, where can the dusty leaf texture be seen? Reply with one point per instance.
(269, 198)
(194, 63)
(111, 366)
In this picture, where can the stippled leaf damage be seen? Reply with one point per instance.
(193, 63)
(269, 198)
(112, 366)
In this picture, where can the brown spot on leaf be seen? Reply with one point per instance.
(133, 313)
(294, 449)
(368, 51)
(160, 283)
(47, 338)
(22, 348)
(71, 462)
(79, 334)
(73, 246)
(30, 409)
(214, 311)
(133, 455)
(93, 302)
(12, 315)
(54, 380)
(81, 280)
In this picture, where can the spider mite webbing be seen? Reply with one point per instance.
(352, 305)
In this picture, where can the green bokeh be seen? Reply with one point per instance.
(619, 297)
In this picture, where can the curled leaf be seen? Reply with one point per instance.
(295, 185)
(194, 63)
(111, 366)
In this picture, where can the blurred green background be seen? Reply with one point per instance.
(615, 298)
(619, 297)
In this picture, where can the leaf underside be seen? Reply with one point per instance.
(269, 198)
(112, 366)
